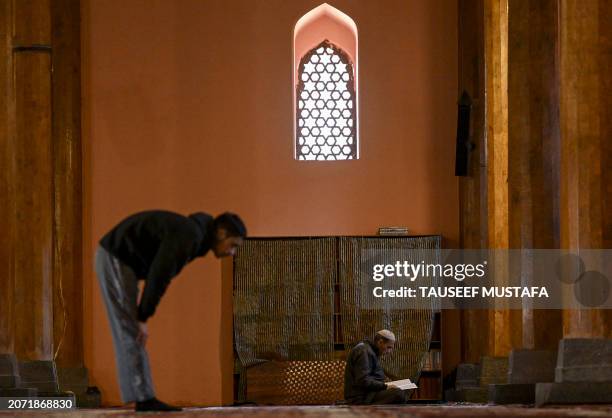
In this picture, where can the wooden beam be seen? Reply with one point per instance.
(67, 221)
(33, 240)
(472, 188)
(7, 213)
(496, 67)
(504, 325)
(534, 149)
(605, 125)
(585, 31)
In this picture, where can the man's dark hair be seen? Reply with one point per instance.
(231, 223)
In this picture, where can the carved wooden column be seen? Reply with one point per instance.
(534, 147)
(504, 325)
(67, 255)
(33, 240)
(583, 372)
(472, 204)
(586, 152)
(7, 213)
(40, 248)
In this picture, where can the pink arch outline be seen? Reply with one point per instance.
(325, 22)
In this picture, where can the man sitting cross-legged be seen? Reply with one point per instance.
(364, 378)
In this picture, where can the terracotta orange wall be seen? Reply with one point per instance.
(188, 106)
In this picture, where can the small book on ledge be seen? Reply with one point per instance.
(393, 230)
(403, 384)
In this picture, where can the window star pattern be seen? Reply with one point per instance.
(326, 105)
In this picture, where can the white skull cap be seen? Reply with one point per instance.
(386, 334)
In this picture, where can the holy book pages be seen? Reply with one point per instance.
(403, 384)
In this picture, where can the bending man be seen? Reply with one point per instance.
(153, 246)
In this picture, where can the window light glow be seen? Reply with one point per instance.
(326, 128)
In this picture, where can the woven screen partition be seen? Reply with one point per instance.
(284, 316)
(412, 323)
(283, 299)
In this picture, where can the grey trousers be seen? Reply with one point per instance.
(119, 287)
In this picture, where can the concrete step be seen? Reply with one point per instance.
(573, 393)
(40, 374)
(512, 393)
(19, 393)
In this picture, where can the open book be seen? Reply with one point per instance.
(403, 384)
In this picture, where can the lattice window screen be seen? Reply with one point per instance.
(326, 120)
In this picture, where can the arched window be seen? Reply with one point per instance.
(325, 51)
(326, 128)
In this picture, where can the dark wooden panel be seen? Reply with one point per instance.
(605, 109)
(534, 146)
(67, 261)
(585, 51)
(32, 22)
(472, 206)
(33, 245)
(7, 213)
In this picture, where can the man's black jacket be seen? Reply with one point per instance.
(363, 374)
(156, 245)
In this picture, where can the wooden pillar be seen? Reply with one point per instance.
(558, 127)
(605, 124)
(472, 188)
(40, 248)
(534, 148)
(33, 240)
(504, 325)
(585, 49)
(7, 213)
(67, 231)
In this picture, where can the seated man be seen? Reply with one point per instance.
(364, 378)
